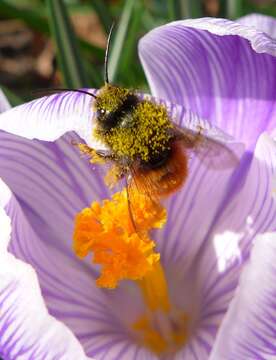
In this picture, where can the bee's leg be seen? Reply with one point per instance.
(199, 136)
(96, 156)
(114, 174)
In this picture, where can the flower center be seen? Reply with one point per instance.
(109, 231)
(163, 328)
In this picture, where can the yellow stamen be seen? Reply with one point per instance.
(155, 290)
(162, 334)
(162, 329)
(150, 337)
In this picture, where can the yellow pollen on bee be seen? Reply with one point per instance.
(110, 97)
(148, 133)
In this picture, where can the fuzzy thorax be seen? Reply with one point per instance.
(141, 132)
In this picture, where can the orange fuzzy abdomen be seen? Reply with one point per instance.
(163, 181)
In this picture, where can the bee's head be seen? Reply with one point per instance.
(111, 104)
(131, 128)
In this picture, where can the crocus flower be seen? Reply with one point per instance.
(221, 289)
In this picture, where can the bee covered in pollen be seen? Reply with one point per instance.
(142, 143)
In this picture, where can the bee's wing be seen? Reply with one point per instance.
(210, 144)
(131, 203)
(144, 187)
(216, 149)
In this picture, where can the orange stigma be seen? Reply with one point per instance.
(108, 232)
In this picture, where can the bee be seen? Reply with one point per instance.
(142, 143)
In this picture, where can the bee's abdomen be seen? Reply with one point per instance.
(164, 179)
(157, 160)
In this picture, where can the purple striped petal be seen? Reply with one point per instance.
(50, 117)
(249, 211)
(51, 188)
(223, 71)
(266, 24)
(212, 223)
(27, 331)
(191, 216)
(49, 196)
(208, 180)
(248, 330)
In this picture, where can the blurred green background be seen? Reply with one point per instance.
(60, 43)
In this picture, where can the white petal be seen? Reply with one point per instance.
(5, 231)
(5, 194)
(4, 104)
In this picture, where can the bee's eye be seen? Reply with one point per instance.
(101, 114)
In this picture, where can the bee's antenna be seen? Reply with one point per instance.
(106, 54)
(53, 90)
